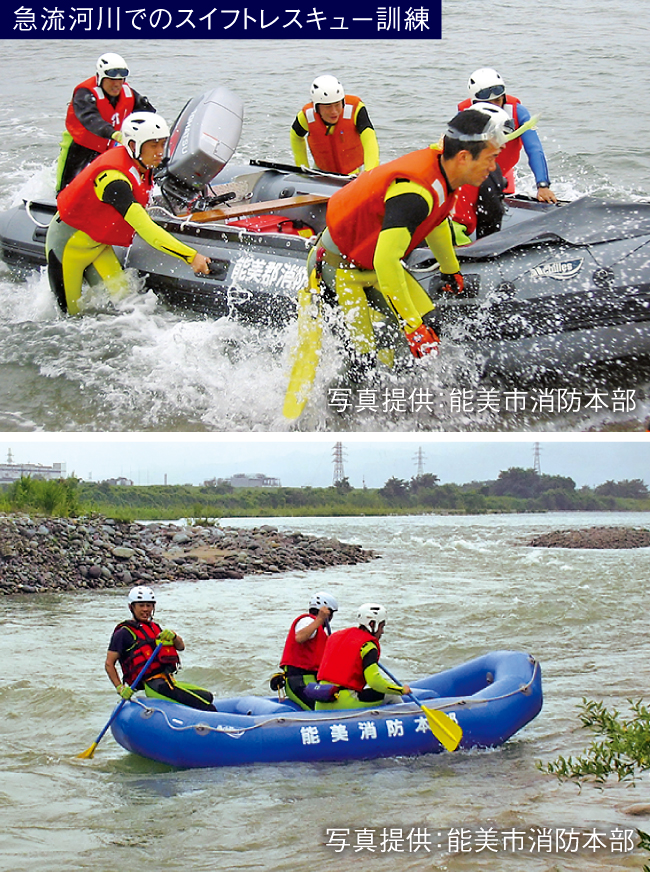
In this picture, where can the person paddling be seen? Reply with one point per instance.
(304, 647)
(350, 664)
(133, 642)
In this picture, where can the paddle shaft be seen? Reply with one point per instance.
(446, 730)
(135, 683)
(399, 683)
(291, 168)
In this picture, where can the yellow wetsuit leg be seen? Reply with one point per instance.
(72, 256)
(111, 273)
(350, 287)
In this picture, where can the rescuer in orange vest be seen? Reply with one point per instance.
(104, 206)
(377, 219)
(337, 129)
(95, 114)
(480, 210)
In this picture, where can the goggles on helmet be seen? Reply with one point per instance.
(115, 73)
(489, 93)
(497, 130)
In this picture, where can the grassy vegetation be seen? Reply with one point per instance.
(620, 748)
(515, 490)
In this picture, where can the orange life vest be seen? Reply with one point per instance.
(144, 641)
(306, 655)
(339, 150)
(114, 115)
(355, 213)
(80, 207)
(342, 663)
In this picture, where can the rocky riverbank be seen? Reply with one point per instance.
(39, 555)
(594, 537)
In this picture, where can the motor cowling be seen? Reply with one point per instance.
(201, 142)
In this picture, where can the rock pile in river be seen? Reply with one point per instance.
(39, 555)
(594, 537)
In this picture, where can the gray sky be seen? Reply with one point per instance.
(299, 460)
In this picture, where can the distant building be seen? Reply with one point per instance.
(242, 480)
(10, 471)
(119, 482)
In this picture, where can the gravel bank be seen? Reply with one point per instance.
(39, 555)
(594, 537)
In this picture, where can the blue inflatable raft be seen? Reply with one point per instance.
(490, 697)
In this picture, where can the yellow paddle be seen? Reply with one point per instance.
(531, 124)
(306, 354)
(444, 728)
(89, 752)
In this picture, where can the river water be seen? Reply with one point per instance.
(582, 65)
(454, 587)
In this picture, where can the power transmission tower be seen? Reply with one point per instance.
(419, 458)
(537, 466)
(339, 472)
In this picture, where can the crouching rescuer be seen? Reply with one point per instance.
(104, 206)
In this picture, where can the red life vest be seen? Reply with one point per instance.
(307, 655)
(144, 642)
(80, 207)
(114, 115)
(509, 155)
(342, 664)
(340, 150)
(355, 213)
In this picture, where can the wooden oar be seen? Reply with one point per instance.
(89, 752)
(446, 730)
(261, 208)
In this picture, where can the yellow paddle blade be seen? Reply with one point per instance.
(306, 355)
(531, 124)
(444, 728)
(89, 752)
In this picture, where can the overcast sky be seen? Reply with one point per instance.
(299, 460)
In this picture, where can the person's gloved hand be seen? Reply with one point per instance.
(125, 691)
(452, 283)
(118, 136)
(166, 637)
(423, 341)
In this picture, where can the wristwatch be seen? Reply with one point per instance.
(543, 184)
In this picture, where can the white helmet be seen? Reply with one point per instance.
(321, 599)
(370, 616)
(141, 594)
(140, 127)
(485, 84)
(326, 89)
(498, 125)
(111, 66)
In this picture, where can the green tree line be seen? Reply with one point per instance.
(515, 490)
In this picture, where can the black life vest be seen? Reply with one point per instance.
(144, 642)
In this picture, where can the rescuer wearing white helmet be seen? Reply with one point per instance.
(105, 205)
(350, 664)
(377, 219)
(480, 210)
(132, 644)
(337, 128)
(304, 646)
(95, 114)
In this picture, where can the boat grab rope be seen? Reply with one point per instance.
(337, 715)
(28, 209)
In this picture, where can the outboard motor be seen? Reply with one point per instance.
(202, 141)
